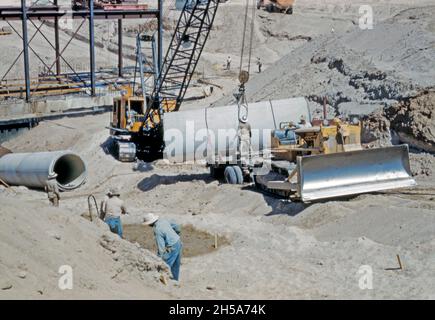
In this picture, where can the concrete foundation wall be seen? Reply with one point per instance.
(18, 109)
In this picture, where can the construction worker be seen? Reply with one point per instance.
(244, 134)
(259, 64)
(303, 123)
(52, 189)
(228, 63)
(169, 246)
(113, 207)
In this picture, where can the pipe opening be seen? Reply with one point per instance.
(71, 171)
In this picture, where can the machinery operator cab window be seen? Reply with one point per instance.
(136, 108)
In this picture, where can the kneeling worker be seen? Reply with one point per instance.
(168, 241)
(113, 207)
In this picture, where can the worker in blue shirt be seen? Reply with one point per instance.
(168, 241)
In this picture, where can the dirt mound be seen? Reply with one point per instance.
(358, 71)
(422, 164)
(376, 130)
(35, 241)
(414, 120)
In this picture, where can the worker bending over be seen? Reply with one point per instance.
(168, 241)
(52, 189)
(113, 207)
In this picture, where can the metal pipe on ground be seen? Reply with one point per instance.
(187, 132)
(32, 169)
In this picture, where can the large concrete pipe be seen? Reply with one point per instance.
(192, 135)
(32, 169)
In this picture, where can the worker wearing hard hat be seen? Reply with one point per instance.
(228, 63)
(52, 189)
(113, 207)
(303, 123)
(259, 64)
(169, 246)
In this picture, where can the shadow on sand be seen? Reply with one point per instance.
(155, 180)
(108, 147)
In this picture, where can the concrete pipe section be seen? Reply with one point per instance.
(32, 169)
(194, 134)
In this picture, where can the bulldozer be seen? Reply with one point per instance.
(283, 6)
(325, 137)
(327, 160)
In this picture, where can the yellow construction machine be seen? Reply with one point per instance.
(328, 160)
(136, 123)
(328, 137)
(129, 125)
(284, 6)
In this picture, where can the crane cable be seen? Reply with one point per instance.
(245, 23)
(252, 33)
(242, 103)
(244, 35)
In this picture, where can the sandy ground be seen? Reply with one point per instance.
(277, 248)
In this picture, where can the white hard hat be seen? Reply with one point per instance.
(150, 219)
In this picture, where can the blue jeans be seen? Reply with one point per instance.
(115, 225)
(173, 259)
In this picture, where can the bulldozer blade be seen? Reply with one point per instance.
(353, 172)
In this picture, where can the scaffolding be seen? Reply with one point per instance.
(38, 15)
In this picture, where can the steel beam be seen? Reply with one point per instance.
(56, 42)
(55, 12)
(92, 46)
(160, 36)
(120, 62)
(37, 14)
(25, 49)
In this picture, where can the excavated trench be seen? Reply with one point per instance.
(195, 242)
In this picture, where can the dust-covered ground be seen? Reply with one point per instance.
(273, 248)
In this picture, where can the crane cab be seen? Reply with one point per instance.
(128, 113)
